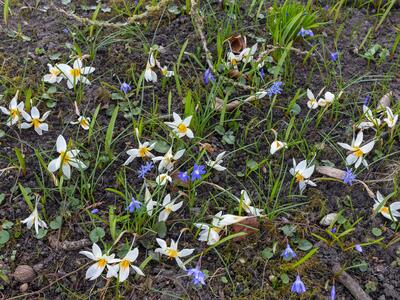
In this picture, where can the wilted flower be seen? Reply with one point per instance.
(305, 32)
(149, 74)
(167, 161)
(101, 260)
(245, 202)
(181, 128)
(349, 177)
(391, 119)
(169, 206)
(124, 265)
(54, 76)
(14, 110)
(75, 74)
(288, 253)
(312, 103)
(165, 72)
(276, 146)
(125, 87)
(34, 219)
(198, 171)
(357, 152)
(150, 203)
(391, 212)
(34, 120)
(371, 120)
(247, 54)
(173, 252)
(134, 205)
(262, 73)
(216, 164)
(66, 159)
(298, 286)
(301, 174)
(327, 100)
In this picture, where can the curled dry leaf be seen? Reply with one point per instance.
(219, 104)
(249, 225)
(385, 101)
(237, 43)
(331, 172)
(234, 73)
(208, 147)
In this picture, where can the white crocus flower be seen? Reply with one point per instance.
(14, 110)
(312, 103)
(167, 161)
(357, 152)
(245, 202)
(102, 260)
(149, 74)
(150, 203)
(173, 252)
(83, 122)
(34, 120)
(181, 128)
(165, 72)
(124, 265)
(391, 212)
(391, 119)
(216, 164)
(302, 173)
(327, 100)
(169, 206)
(247, 54)
(162, 179)
(54, 75)
(371, 120)
(143, 151)
(34, 219)
(276, 146)
(76, 73)
(233, 59)
(66, 159)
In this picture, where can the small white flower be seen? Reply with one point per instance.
(143, 151)
(14, 110)
(54, 76)
(34, 219)
(233, 59)
(124, 266)
(391, 212)
(302, 173)
(391, 119)
(371, 120)
(150, 203)
(173, 252)
(357, 152)
(216, 164)
(102, 260)
(76, 73)
(327, 100)
(66, 159)
(181, 128)
(245, 202)
(162, 179)
(247, 54)
(149, 74)
(82, 121)
(312, 103)
(34, 120)
(167, 161)
(276, 146)
(169, 206)
(166, 73)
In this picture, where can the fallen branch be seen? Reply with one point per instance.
(151, 11)
(351, 284)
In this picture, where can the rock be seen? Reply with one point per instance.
(23, 287)
(24, 273)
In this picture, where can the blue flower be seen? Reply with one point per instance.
(208, 76)
(333, 292)
(334, 56)
(358, 248)
(94, 211)
(184, 176)
(198, 277)
(198, 170)
(333, 230)
(134, 205)
(125, 87)
(276, 88)
(298, 286)
(288, 253)
(262, 73)
(305, 32)
(144, 169)
(367, 100)
(349, 177)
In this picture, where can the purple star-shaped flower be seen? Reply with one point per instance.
(198, 171)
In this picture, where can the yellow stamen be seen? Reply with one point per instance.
(358, 152)
(102, 262)
(182, 128)
(385, 210)
(143, 151)
(14, 112)
(75, 72)
(84, 122)
(36, 123)
(65, 158)
(299, 177)
(172, 253)
(55, 71)
(124, 264)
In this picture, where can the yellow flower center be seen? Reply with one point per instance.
(84, 122)
(36, 123)
(65, 158)
(14, 112)
(299, 177)
(182, 128)
(124, 264)
(234, 61)
(358, 152)
(385, 210)
(216, 229)
(75, 72)
(102, 262)
(143, 151)
(172, 253)
(55, 71)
